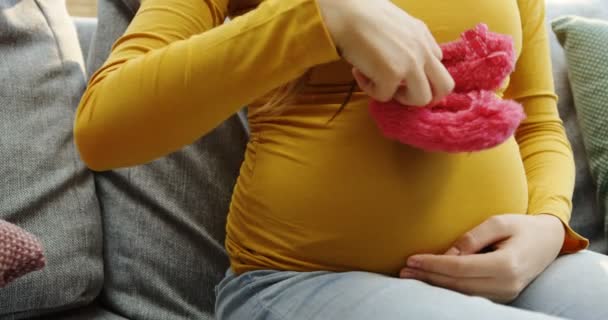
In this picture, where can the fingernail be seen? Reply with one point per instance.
(413, 262)
(453, 252)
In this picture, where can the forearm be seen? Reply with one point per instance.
(549, 166)
(168, 82)
(547, 158)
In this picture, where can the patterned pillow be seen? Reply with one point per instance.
(585, 42)
(20, 253)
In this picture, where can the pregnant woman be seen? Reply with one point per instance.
(329, 219)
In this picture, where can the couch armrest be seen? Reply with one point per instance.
(85, 27)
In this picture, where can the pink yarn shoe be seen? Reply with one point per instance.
(472, 118)
(481, 60)
(20, 253)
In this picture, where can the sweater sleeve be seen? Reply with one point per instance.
(178, 72)
(544, 147)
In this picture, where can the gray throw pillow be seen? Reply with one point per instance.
(45, 188)
(587, 218)
(164, 222)
(586, 42)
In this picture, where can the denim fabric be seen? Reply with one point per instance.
(558, 293)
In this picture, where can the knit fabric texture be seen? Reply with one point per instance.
(20, 253)
(472, 117)
(585, 44)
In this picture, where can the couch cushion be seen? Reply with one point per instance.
(93, 311)
(85, 27)
(586, 216)
(586, 43)
(164, 222)
(45, 188)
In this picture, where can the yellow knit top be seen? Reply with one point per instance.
(314, 195)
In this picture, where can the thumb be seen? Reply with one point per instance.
(366, 84)
(489, 232)
(381, 91)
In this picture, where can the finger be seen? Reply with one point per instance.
(430, 40)
(382, 91)
(401, 93)
(363, 81)
(471, 286)
(440, 80)
(489, 232)
(452, 252)
(418, 91)
(464, 285)
(434, 46)
(469, 266)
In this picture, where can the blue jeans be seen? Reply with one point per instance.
(573, 287)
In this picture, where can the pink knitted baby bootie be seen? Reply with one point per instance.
(20, 253)
(472, 118)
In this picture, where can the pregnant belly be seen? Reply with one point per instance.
(366, 205)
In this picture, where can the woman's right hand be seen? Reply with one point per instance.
(393, 54)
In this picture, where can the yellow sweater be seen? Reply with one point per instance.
(312, 195)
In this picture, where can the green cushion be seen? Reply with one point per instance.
(585, 42)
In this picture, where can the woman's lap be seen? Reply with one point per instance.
(574, 287)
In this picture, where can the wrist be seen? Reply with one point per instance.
(554, 225)
(334, 14)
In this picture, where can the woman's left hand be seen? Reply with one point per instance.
(523, 247)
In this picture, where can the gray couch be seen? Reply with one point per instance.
(143, 242)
